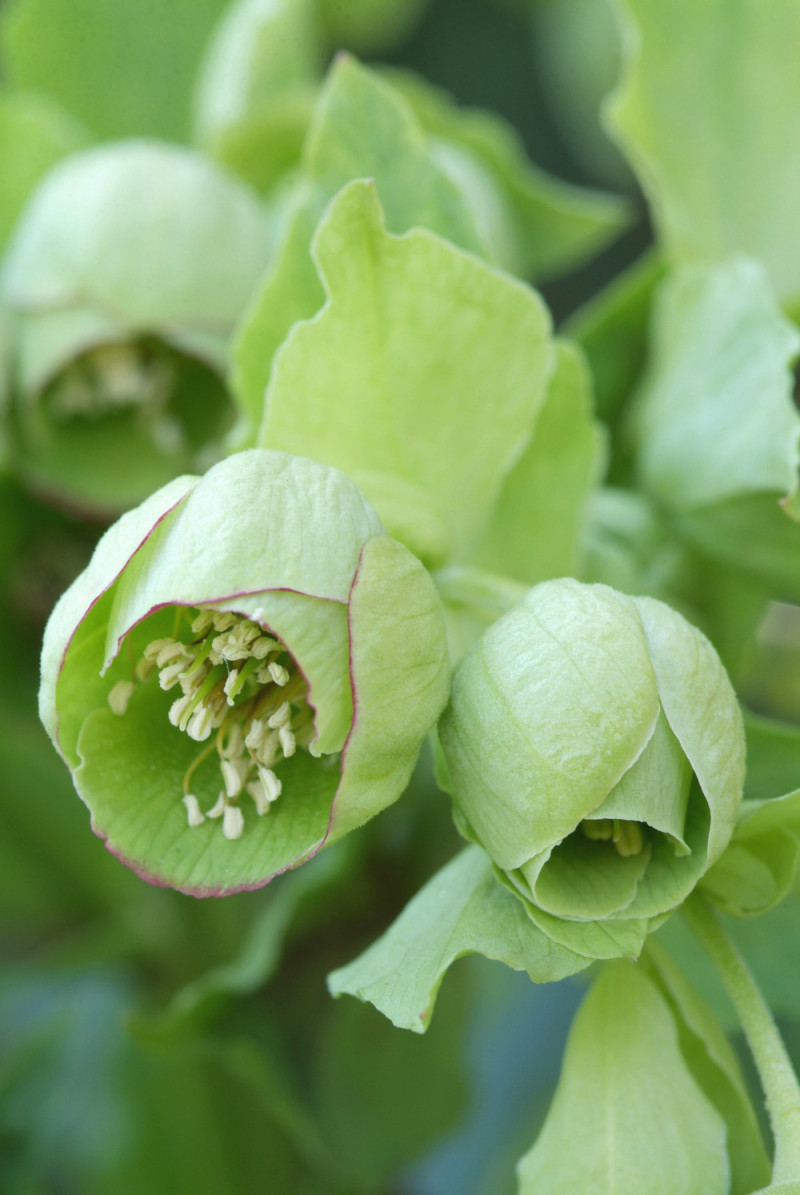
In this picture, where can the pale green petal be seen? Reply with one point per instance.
(131, 774)
(462, 910)
(610, 939)
(719, 339)
(370, 25)
(391, 149)
(548, 711)
(70, 628)
(655, 790)
(257, 521)
(202, 239)
(423, 373)
(538, 522)
(587, 880)
(34, 134)
(400, 677)
(627, 1117)
(702, 710)
(702, 112)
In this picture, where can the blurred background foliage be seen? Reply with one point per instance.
(150, 1042)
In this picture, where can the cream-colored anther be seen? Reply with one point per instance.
(203, 622)
(194, 813)
(281, 717)
(234, 744)
(152, 650)
(232, 822)
(120, 695)
(171, 675)
(278, 674)
(200, 724)
(219, 808)
(271, 784)
(288, 741)
(178, 710)
(260, 648)
(234, 774)
(260, 798)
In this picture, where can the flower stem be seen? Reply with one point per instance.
(778, 1079)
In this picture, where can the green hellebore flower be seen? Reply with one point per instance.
(244, 673)
(594, 748)
(123, 281)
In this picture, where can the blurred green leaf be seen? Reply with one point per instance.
(628, 1117)
(123, 68)
(701, 111)
(462, 910)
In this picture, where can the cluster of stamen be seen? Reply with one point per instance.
(626, 836)
(118, 377)
(239, 685)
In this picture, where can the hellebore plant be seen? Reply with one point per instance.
(244, 673)
(123, 282)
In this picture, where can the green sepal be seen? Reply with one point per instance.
(426, 339)
(462, 910)
(627, 1116)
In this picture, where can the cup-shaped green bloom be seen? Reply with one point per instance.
(123, 282)
(245, 672)
(594, 748)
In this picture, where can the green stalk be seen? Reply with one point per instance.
(778, 1080)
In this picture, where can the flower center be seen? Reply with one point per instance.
(626, 836)
(240, 686)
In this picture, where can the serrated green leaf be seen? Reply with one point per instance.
(554, 475)
(548, 226)
(418, 342)
(701, 113)
(462, 910)
(627, 1117)
(390, 148)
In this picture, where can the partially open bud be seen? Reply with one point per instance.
(594, 747)
(245, 672)
(123, 282)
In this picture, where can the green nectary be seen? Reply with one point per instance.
(594, 748)
(236, 639)
(123, 282)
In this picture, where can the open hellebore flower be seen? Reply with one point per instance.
(123, 282)
(245, 671)
(594, 748)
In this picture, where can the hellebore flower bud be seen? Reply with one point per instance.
(594, 748)
(244, 673)
(123, 281)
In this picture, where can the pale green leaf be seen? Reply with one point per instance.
(361, 129)
(34, 135)
(421, 377)
(718, 339)
(462, 910)
(548, 711)
(628, 1118)
(122, 67)
(702, 113)
(716, 1069)
(538, 523)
